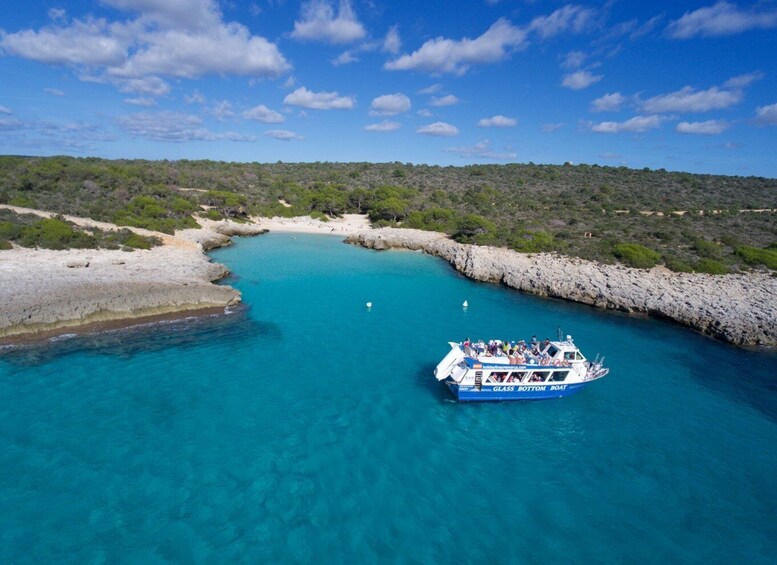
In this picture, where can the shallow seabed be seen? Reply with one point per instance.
(309, 428)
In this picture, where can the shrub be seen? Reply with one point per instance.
(756, 256)
(212, 214)
(677, 265)
(707, 249)
(5, 244)
(473, 228)
(711, 267)
(636, 255)
(138, 241)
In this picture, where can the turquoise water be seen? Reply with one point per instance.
(307, 428)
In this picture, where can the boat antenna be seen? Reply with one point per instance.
(560, 333)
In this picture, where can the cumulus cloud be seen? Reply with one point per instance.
(390, 105)
(194, 98)
(93, 42)
(439, 129)
(550, 128)
(385, 125)
(53, 91)
(580, 79)
(441, 55)
(482, 150)
(4, 110)
(710, 127)
(497, 121)
(688, 99)
(392, 43)
(283, 135)
(174, 127)
(320, 23)
(610, 102)
(449, 100)
(318, 100)
(766, 115)
(722, 18)
(263, 114)
(637, 124)
(179, 38)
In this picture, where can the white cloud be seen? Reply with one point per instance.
(319, 23)
(4, 110)
(688, 99)
(636, 124)
(723, 18)
(56, 14)
(225, 49)
(497, 121)
(610, 102)
(8, 123)
(449, 100)
(766, 115)
(742, 81)
(439, 129)
(424, 113)
(174, 127)
(318, 100)
(482, 150)
(549, 128)
(384, 126)
(152, 86)
(580, 79)
(194, 98)
(177, 38)
(53, 91)
(262, 113)
(392, 43)
(283, 135)
(432, 89)
(441, 55)
(390, 105)
(91, 42)
(571, 18)
(710, 127)
(574, 60)
(140, 101)
(187, 14)
(345, 58)
(221, 110)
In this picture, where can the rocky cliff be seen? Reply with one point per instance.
(739, 309)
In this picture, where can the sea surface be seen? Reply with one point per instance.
(307, 428)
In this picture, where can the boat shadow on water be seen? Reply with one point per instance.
(147, 337)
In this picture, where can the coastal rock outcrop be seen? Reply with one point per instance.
(40, 291)
(739, 309)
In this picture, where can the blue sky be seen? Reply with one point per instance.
(677, 85)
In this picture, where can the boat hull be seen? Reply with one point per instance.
(500, 393)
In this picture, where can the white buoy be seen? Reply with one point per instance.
(369, 305)
(465, 304)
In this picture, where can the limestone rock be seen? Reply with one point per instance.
(739, 309)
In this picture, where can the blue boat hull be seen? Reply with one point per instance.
(498, 393)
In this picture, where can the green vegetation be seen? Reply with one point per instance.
(586, 211)
(755, 256)
(711, 267)
(636, 255)
(27, 230)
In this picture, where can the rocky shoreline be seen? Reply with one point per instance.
(738, 309)
(44, 291)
